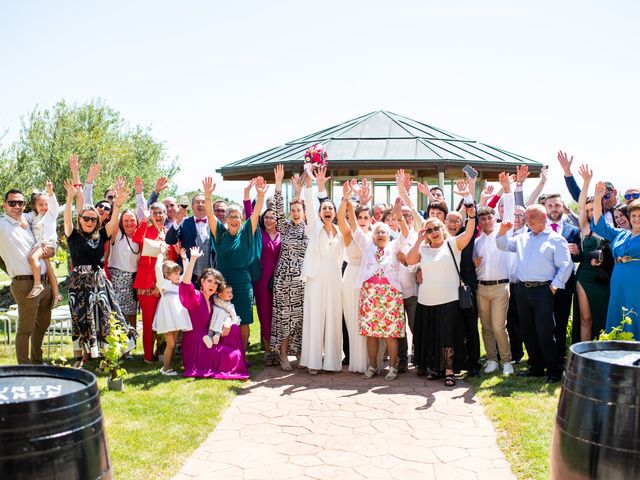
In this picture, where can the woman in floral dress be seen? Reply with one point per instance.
(381, 308)
(288, 289)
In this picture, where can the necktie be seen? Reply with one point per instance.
(201, 220)
(554, 226)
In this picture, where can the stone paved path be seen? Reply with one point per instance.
(339, 426)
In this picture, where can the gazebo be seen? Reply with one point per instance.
(377, 144)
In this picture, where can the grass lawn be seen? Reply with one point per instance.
(523, 412)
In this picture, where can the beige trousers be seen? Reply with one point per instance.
(493, 303)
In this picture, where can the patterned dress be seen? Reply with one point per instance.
(288, 289)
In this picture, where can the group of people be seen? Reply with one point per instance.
(336, 285)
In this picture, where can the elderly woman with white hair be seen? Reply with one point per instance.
(381, 307)
(237, 247)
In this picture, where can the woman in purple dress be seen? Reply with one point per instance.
(263, 288)
(225, 360)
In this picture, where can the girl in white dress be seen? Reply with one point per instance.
(322, 273)
(42, 221)
(171, 316)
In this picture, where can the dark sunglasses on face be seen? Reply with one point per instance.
(106, 208)
(110, 197)
(629, 196)
(429, 231)
(607, 196)
(89, 219)
(15, 203)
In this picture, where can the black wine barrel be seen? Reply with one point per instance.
(51, 425)
(597, 429)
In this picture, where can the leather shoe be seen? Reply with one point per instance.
(402, 366)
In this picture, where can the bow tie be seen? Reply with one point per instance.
(201, 220)
(554, 226)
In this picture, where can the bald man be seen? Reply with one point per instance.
(543, 265)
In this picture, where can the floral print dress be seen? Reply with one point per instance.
(381, 306)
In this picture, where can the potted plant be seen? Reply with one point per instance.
(113, 353)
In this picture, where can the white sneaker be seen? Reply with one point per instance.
(392, 375)
(207, 341)
(507, 369)
(370, 373)
(491, 366)
(171, 372)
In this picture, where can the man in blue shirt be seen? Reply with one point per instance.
(543, 266)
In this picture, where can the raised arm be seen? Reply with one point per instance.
(209, 187)
(246, 198)
(72, 192)
(424, 189)
(597, 201)
(92, 174)
(261, 190)
(321, 180)
(413, 256)
(533, 198)
(188, 271)
(53, 202)
(397, 214)
(119, 201)
(565, 163)
(586, 175)
(74, 166)
(345, 230)
(465, 237)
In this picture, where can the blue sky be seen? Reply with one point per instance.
(218, 81)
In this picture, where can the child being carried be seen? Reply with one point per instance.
(223, 316)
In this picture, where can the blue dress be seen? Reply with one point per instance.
(625, 291)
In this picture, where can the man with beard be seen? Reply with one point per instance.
(564, 297)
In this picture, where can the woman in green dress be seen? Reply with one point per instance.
(237, 249)
(592, 277)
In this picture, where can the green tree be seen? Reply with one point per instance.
(97, 134)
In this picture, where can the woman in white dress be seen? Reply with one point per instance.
(358, 358)
(321, 271)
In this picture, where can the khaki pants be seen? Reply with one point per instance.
(34, 317)
(493, 304)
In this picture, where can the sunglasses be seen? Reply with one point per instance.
(607, 196)
(106, 208)
(89, 219)
(158, 213)
(110, 197)
(629, 196)
(429, 231)
(15, 203)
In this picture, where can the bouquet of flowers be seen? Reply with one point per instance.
(315, 157)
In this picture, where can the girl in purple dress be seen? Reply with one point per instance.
(226, 360)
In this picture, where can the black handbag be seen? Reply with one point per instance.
(465, 294)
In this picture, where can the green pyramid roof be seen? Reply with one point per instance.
(380, 140)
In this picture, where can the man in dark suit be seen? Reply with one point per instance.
(191, 232)
(564, 297)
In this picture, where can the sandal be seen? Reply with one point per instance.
(449, 381)
(285, 365)
(79, 362)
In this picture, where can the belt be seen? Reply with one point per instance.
(627, 259)
(536, 284)
(493, 282)
(43, 278)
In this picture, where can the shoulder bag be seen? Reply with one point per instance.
(465, 294)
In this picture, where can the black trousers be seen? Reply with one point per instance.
(561, 309)
(513, 326)
(472, 336)
(535, 308)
